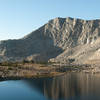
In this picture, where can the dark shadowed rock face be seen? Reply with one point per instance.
(58, 40)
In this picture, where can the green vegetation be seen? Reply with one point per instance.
(36, 62)
(71, 60)
(27, 61)
(10, 68)
(15, 64)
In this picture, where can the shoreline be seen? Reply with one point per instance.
(29, 70)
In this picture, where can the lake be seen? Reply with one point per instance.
(72, 86)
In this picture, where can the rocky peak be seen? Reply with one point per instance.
(52, 39)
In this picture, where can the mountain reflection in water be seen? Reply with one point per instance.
(72, 86)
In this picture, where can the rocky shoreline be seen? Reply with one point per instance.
(29, 70)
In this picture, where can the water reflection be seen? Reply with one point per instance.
(72, 86)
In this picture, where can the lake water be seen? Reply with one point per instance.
(72, 86)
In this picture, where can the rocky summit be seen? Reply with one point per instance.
(64, 40)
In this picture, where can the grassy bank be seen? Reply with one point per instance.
(36, 70)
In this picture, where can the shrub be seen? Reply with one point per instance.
(10, 68)
(71, 60)
(25, 61)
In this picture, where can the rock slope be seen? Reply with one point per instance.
(65, 40)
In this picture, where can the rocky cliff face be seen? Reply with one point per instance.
(60, 40)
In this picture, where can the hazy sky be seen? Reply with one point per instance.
(20, 17)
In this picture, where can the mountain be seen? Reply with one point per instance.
(60, 40)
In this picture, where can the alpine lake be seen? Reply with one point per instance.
(71, 86)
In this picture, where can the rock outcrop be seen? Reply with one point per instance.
(60, 40)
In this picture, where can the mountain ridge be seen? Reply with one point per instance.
(58, 40)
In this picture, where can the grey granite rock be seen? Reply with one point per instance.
(60, 40)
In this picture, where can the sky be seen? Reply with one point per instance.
(20, 17)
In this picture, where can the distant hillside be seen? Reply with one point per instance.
(60, 40)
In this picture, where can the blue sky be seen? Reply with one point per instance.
(20, 17)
